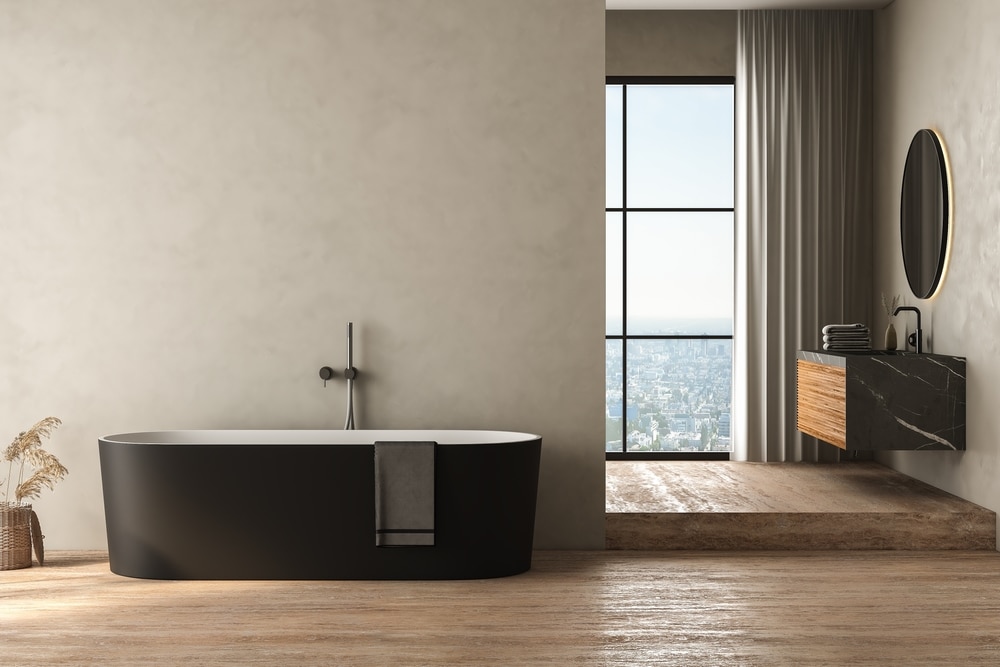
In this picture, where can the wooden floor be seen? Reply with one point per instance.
(737, 505)
(572, 608)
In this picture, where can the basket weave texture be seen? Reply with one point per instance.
(15, 535)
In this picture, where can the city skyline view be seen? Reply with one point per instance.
(669, 267)
(677, 397)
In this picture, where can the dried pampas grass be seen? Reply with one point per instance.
(26, 452)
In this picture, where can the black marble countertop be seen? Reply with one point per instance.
(839, 357)
(900, 400)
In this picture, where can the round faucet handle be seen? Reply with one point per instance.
(326, 373)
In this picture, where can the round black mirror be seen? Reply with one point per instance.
(923, 214)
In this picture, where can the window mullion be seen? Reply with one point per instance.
(697, 354)
(624, 268)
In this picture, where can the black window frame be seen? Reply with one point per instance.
(624, 209)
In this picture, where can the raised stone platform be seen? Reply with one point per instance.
(706, 505)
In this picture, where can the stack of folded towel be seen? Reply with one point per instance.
(847, 337)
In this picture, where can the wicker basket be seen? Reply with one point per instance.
(15, 535)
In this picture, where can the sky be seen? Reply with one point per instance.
(680, 155)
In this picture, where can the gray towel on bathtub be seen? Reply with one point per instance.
(404, 494)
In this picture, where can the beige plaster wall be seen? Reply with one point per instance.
(195, 197)
(936, 67)
(671, 43)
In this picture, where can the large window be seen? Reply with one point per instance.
(670, 229)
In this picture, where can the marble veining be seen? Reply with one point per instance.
(901, 400)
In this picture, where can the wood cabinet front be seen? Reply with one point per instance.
(822, 402)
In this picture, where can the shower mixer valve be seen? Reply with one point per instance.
(326, 373)
(350, 374)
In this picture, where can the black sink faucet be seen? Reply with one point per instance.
(916, 339)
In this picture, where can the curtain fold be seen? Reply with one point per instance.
(804, 210)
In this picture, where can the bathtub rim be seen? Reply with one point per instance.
(317, 437)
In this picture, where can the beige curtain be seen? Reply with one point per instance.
(804, 210)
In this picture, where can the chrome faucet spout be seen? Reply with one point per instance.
(916, 339)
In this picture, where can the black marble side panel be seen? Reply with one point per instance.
(906, 401)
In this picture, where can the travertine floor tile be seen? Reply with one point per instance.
(736, 505)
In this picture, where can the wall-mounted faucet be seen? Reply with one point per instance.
(916, 339)
(350, 373)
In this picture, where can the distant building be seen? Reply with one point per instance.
(615, 411)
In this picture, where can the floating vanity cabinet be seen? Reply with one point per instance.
(882, 400)
(822, 401)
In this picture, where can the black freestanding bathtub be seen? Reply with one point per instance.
(300, 504)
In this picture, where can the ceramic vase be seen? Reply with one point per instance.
(890, 337)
